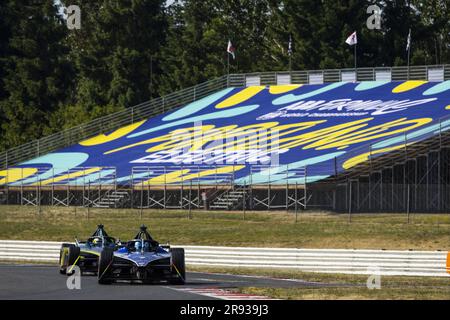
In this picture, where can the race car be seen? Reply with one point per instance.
(144, 260)
(85, 254)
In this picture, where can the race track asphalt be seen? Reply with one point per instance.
(42, 282)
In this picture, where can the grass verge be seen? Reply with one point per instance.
(260, 229)
(341, 286)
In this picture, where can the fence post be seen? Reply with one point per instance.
(38, 199)
(287, 188)
(190, 199)
(269, 194)
(132, 189)
(244, 204)
(7, 186)
(21, 187)
(296, 202)
(53, 187)
(84, 190)
(68, 193)
(89, 198)
(165, 188)
(350, 202)
(198, 190)
(142, 199)
(408, 206)
(306, 190)
(75, 197)
(181, 191)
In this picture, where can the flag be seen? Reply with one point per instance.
(352, 39)
(231, 50)
(290, 46)
(408, 43)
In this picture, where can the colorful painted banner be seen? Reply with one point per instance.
(287, 127)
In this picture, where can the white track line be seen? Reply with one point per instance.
(222, 294)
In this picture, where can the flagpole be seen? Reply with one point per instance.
(228, 64)
(290, 63)
(352, 40)
(228, 70)
(409, 51)
(290, 53)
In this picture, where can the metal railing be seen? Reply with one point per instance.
(402, 147)
(346, 261)
(110, 122)
(180, 98)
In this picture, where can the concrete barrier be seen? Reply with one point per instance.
(386, 262)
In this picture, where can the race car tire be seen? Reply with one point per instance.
(63, 258)
(178, 266)
(104, 262)
(72, 256)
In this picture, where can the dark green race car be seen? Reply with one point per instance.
(85, 254)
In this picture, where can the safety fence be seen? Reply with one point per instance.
(420, 185)
(382, 262)
(182, 97)
(158, 187)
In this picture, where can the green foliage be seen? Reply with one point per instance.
(69, 116)
(129, 51)
(36, 73)
(114, 50)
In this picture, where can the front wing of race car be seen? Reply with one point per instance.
(115, 268)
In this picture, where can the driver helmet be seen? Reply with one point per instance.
(97, 242)
(138, 245)
(146, 246)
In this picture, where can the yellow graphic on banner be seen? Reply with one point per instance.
(72, 175)
(365, 156)
(264, 138)
(408, 85)
(176, 135)
(240, 97)
(100, 139)
(323, 136)
(226, 136)
(271, 135)
(194, 140)
(12, 175)
(182, 175)
(372, 133)
(283, 89)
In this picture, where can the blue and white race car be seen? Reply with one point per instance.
(142, 259)
(85, 254)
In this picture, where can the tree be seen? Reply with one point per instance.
(190, 55)
(36, 74)
(114, 50)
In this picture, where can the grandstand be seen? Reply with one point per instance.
(365, 140)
